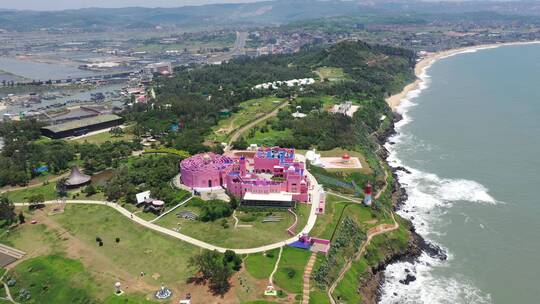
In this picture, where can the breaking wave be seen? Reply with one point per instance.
(429, 196)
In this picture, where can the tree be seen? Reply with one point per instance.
(7, 211)
(213, 268)
(240, 144)
(36, 201)
(21, 218)
(116, 131)
(61, 187)
(90, 190)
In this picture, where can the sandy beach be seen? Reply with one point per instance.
(394, 100)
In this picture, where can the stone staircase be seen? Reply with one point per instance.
(307, 277)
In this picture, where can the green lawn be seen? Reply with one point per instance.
(32, 237)
(213, 232)
(337, 207)
(140, 249)
(162, 258)
(318, 297)
(128, 299)
(347, 288)
(57, 279)
(331, 73)
(260, 265)
(103, 137)
(290, 273)
(268, 138)
(20, 196)
(249, 111)
(318, 294)
(53, 279)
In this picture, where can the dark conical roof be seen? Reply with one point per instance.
(77, 178)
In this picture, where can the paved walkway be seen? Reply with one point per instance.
(307, 278)
(271, 278)
(170, 210)
(185, 238)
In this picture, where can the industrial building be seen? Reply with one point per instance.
(81, 126)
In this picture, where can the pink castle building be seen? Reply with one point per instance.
(205, 170)
(271, 176)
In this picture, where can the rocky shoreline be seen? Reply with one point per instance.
(370, 289)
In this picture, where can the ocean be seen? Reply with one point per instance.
(471, 139)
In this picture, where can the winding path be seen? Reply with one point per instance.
(271, 278)
(310, 224)
(381, 229)
(253, 123)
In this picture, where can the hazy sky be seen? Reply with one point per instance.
(73, 4)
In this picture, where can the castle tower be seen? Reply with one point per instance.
(243, 166)
(367, 194)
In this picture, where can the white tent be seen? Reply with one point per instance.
(141, 197)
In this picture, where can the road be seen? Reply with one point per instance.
(237, 50)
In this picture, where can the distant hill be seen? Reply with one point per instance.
(258, 13)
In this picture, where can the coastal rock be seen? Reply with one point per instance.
(400, 168)
(409, 278)
(370, 286)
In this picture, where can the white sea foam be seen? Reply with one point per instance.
(427, 288)
(429, 197)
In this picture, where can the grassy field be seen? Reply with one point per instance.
(379, 247)
(331, 73)
(290, 273)
(20, 196)
(249, 111)
(260, 265)
(103, 137)
(347, 288)
(269, 137)
(336, 208)
(53, 279)
(242, 237)
(139, 249)
(57, 279)
(74, 232)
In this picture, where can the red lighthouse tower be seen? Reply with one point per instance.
(368, 190)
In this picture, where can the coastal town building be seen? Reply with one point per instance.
(163, 68)
(269, 177)
(346, 108)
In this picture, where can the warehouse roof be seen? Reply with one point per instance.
(81, 123)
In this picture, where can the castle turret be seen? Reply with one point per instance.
(243, 169)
